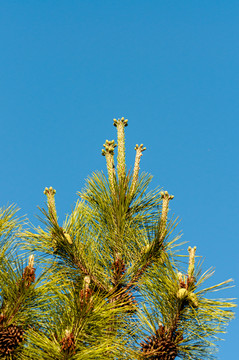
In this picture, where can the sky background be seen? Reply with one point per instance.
(67, 68)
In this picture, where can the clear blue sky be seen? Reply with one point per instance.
(67, 68)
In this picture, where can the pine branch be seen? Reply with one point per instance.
(188, 321)
(110, 277)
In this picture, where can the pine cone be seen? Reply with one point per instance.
(161, 346)
(28, 276)
(68, 343)
(129, 300)
(2, 319)
(10, 338)
(86, 299)
(118, 268)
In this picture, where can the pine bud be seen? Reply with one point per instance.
(191, 261)
(31, 261)
(193, 299)
(180, 276)
(182, 294)
(121, 166)
(68, 238)
(163, 221)
(139, 150)
(108, 152)
(50, 193)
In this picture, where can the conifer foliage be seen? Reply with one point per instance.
(111, 283)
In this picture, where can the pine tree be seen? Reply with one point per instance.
(112, 284)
